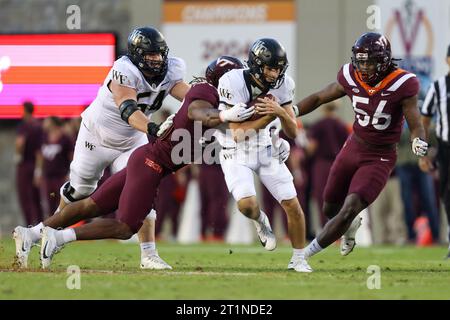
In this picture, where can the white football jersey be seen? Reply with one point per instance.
(235, 87)
(102, 117)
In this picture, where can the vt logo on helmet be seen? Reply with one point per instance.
(148, 50)
(271, 54)
(219, 67)
(372, 57)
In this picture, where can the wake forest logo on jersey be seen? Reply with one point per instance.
(225, 93)
(116, 75)
(89, 145)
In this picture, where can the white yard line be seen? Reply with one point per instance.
(141, 272)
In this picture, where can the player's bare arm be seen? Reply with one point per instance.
(412, 116)
(200, 110)
(286, 115)
(241, 130)
(179, 90)
(425, 163)
(122, 96)
(330, 93)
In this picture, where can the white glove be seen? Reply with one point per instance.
(281, 148)
(238, 113)
(419, 147)
(165, 125)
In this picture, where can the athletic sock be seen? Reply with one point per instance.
(298, 254)
(36, 232)
(312, 249)
(148, 249)
(65, 236)
(262, 217)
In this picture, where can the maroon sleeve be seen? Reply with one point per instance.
(340, 77)
(203, 91)
(410, 87)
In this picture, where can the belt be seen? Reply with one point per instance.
(391, 146)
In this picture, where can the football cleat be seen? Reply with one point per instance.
(265, 234)
(49, 247)
(22, 238)
(154, 262)
(348, 239)
(299, 265)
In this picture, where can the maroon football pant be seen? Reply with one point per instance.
(132, 190)
(166, 205)
(214, 200)
(28, 195)
(359, 169)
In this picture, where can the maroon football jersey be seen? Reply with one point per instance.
(378, 110)
(32, 132)
(182, 130)
(57, 156)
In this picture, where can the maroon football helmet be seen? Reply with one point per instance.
(219, 67)
(372, 57)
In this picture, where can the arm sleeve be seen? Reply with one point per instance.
(288, 94)
(204, 92)
(177, 69)
(340, 77)
(125, 74)
(227, 94)
(411, 87)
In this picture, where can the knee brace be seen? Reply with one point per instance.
(69, 194)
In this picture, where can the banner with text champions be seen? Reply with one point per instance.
(59, 73)
(200, 31)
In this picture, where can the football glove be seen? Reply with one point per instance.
(238, 113)
(419, 147)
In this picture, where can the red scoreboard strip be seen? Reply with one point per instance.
(59, 73)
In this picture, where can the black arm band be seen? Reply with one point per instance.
(152, 129)
(127, 108)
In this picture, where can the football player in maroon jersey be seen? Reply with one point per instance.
(382, 96)
(131, 191)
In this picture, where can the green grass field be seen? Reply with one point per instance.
(109, 270)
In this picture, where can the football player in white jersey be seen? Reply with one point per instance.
(116, 123)
(249, 147)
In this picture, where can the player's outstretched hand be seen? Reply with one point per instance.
(238, 113)
(419, 147)
(281, 148)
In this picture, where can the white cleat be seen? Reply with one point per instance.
(22, 237)
(154, 262)
(48, 247)
(299, 265)
(348, 239)
(265, 234)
